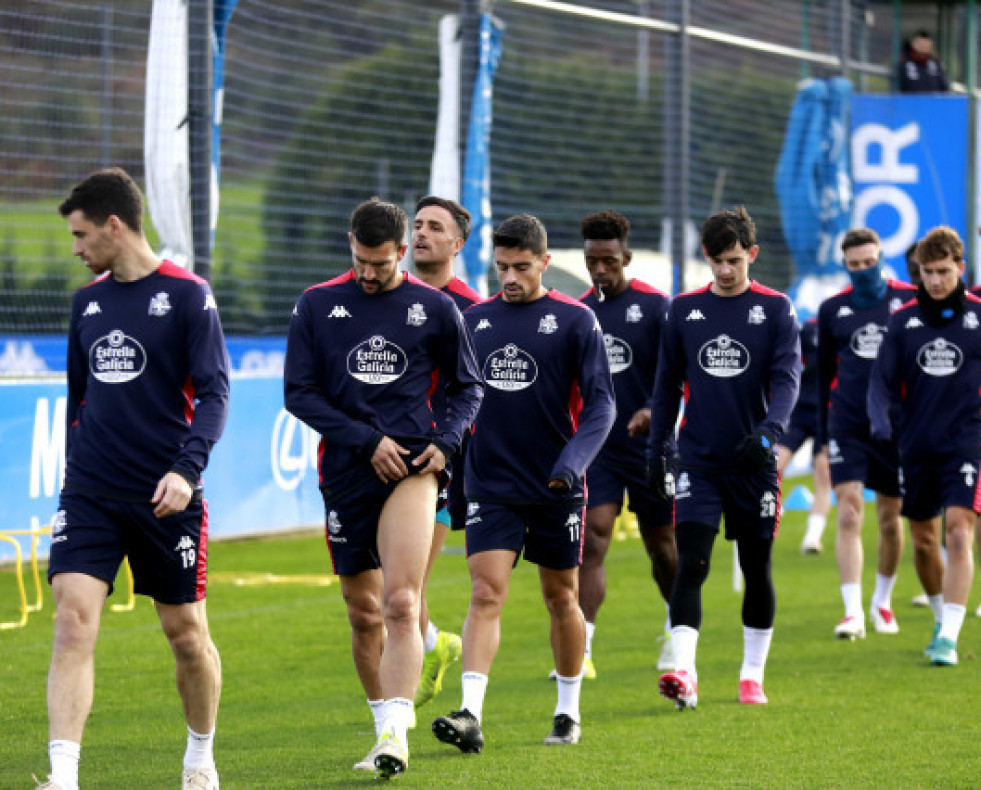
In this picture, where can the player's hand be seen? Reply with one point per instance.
(430, 460)
(172, 495)
(661, 476)
(640, 423)
(755, 452)
(387, 460)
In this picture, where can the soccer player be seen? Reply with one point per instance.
(147, 400)
(362, 354)
(547, 409)
(924, 390)
(733, 349)
(439, 231)
(631, 314)
(803, 425)
(851, 326)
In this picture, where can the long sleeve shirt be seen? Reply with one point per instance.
(548, 405)
(631, 323)
(147, 382)
(924, 386)
(736, 362)
(360, 367)
(849, 338)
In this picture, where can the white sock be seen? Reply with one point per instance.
(474, 689)
(851, 594)
(199, 752)
(882, 597)
(64, 756)
(590, 630)
(815, 527)
(684, 641)
(568, 701)
(398, 716)
(377, 707)
(667, 623)
(937, 605)
(953, 619)
(756, 647)
(431, 638)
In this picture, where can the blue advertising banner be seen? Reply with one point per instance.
(262, 475)
(909, 168)
(39, 355)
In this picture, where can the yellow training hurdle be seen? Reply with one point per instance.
(35, 532)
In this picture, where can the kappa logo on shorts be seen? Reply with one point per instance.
(186, 542)
(683, 486)
(473, 513)
(970, 474)
(58, 525)
(834, 452)
(188, 551)
(768, 505)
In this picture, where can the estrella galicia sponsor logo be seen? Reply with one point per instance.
(376, 361)
(58, 525)
(939, 358)
(116, 358)
(618, 353)
(334, 528)
(723, 357)
(160, 304)
(866, 340)
(510, 369)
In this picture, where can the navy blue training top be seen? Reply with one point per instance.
(736, 362)
(925, 384)
(848, 343)
(362, 366)
(147, 382)
(631, 323)
(548, 404)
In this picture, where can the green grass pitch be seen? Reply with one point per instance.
(865, 714)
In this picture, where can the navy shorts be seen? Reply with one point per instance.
(803, 426)
(550, 535)
(352, 514)
(929, 485)
(606, 483)
(749, 503)
(855, 460)
(168, 556)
